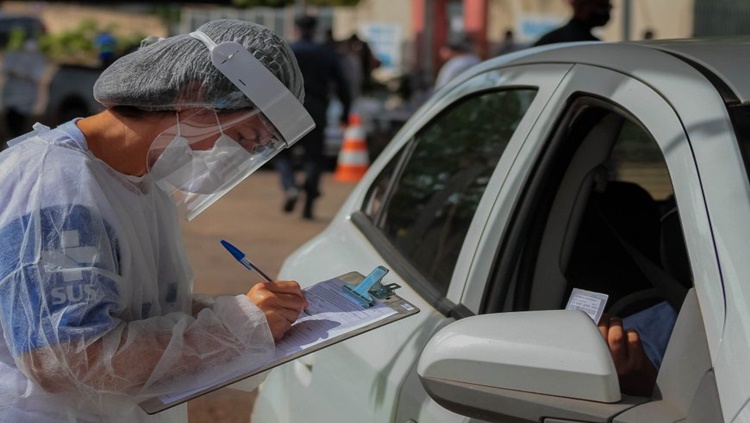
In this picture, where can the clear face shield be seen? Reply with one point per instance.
(208, 152)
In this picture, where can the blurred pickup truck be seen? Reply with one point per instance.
(65, 92)
(69, 94)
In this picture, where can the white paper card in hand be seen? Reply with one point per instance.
(589, 302)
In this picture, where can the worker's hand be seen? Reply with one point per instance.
(635, 372)
(281, 301)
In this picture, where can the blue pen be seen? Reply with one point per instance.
(240, 256)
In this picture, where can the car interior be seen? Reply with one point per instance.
(603, 219)
(613, 230)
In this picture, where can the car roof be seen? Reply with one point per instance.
(726, 58)
(723, 60)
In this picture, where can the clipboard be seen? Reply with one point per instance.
(370, 296)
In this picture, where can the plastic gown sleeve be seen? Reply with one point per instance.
(68, 316)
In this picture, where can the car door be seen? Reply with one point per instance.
(539, 221)
(420, 207)
(494, 96)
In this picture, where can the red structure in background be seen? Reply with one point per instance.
(431, 25)
(475, 24)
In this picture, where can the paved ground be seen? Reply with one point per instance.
(250, 217)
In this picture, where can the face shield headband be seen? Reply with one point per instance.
(206, 154)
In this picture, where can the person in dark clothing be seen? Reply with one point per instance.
(367, 59)
(320, 66)
(587, 14)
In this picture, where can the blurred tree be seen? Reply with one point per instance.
(261, 3)
(170, 14)
(129, 3)
(283, 3)
(77, 46)
(332, 2)
(15, 39)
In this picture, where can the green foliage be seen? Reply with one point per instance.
(333, 2)
(77, 46)
(284, 3)
(261, 3)
(168, 13)
(16, 37)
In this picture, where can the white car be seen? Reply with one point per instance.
(614, 168)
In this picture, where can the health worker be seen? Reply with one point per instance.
(96, 306)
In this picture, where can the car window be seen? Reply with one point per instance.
(636, 158)
(600, 205)
(621, 223)
(424, 200)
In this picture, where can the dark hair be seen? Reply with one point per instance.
(129, 111)
(306, 25)
(306, 21)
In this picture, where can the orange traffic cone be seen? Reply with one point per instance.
(353, 159)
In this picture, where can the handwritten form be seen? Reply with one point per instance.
(329, 314)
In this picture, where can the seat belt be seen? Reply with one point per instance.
(672, 290)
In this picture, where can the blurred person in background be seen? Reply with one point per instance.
(587, 15)
(358, 62)
(23, 69)
(329, 40)
(508, 45)
(106, 45)
(96, 303)
(457, 57)
(362, 51)
(320, 66)
(351, 64)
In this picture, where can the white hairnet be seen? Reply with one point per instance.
(176, 73)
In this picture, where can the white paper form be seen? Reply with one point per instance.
(329, 314)
(591, 303)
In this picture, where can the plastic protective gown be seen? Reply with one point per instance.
(95, 293)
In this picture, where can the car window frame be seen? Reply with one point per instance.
(559, 145)
(612, 84)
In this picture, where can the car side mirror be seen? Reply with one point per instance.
(500, 364)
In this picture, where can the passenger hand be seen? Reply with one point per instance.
(635, 372)
(281, 301)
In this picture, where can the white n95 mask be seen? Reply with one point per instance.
(197, 160)
(198, 171)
